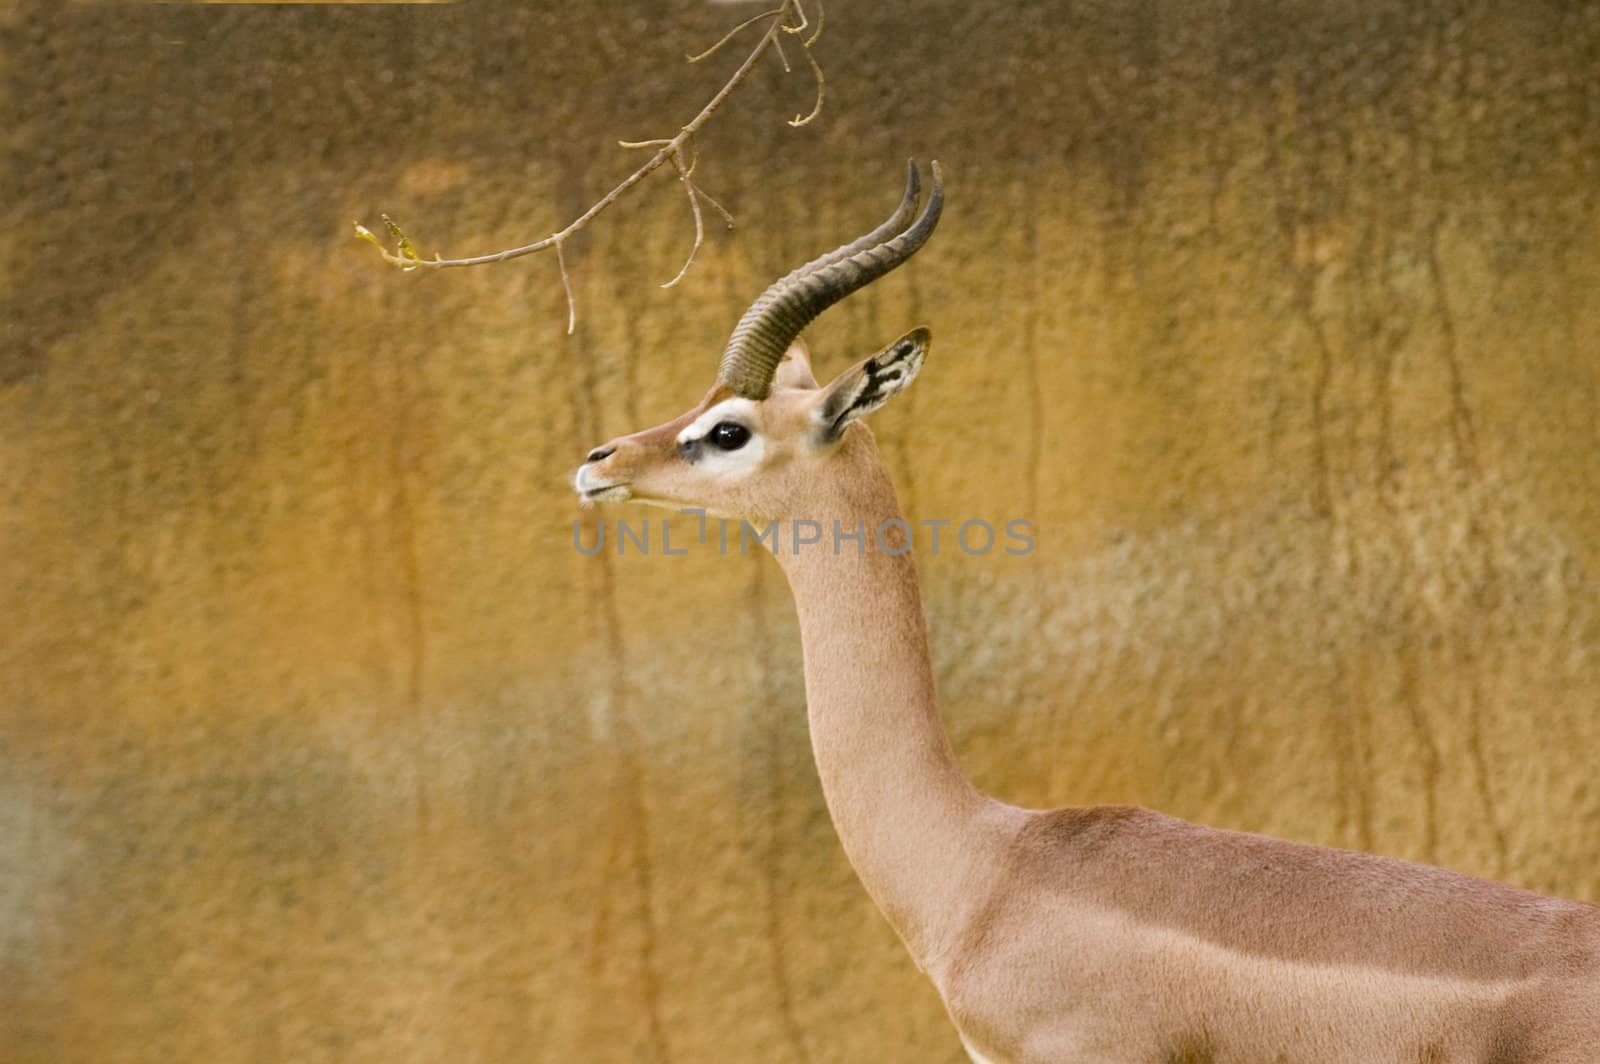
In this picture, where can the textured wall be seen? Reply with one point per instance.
(318, 741)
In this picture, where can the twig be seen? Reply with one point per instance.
(731, 34)
(566, 285)
(726, 217)
(816, 70)
(816, 108)
(817, 35)
(684, 175)
(788, 17)
(799, 27)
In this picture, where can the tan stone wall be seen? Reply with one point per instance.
(318, 741)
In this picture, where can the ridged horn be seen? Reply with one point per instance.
(767, 329)
(890, 228)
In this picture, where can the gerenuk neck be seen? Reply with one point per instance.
(912, 825)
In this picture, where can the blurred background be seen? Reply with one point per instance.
(320, 742)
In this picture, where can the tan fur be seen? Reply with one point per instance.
(1113, 934)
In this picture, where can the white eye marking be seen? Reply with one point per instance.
(740, 410)
(711, 459)
(717, 462)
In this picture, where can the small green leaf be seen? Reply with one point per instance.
(403, 242)
(366, 234)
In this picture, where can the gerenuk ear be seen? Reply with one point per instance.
(795, 369)
(864, 387)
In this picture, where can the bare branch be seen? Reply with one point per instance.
(726, 217)
(817, 108)
(679, 150)
(684, 173)
(817, 35)
(800, 27)
(566, 284)
(731, 34)
(777, 46)
(694, 157)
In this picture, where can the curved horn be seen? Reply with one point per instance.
(767, 329)
(890, 228)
